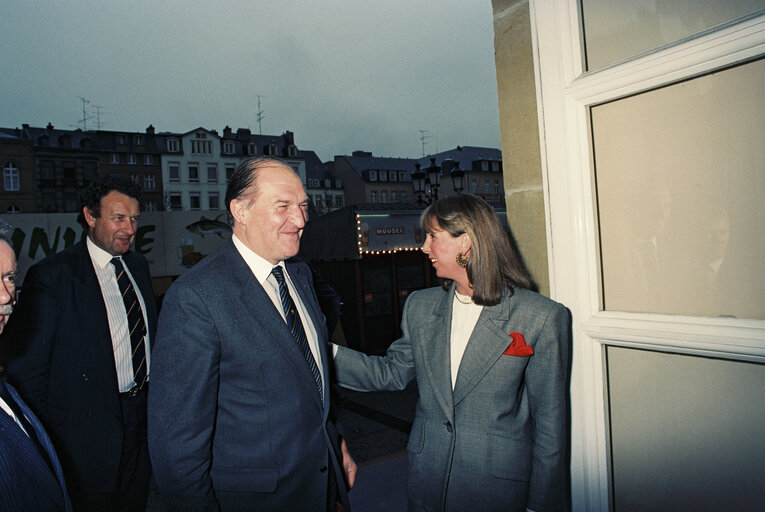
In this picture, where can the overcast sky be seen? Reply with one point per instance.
(342, 75)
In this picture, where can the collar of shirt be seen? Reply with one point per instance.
(99, 256)
(260, 267)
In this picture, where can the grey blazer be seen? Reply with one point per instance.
(498, 441)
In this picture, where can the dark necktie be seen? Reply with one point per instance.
(136, 324)
(296, 328)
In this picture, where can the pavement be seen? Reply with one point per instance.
(376, 427)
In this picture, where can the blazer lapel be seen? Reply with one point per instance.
(484, 348)
(262, 312)
(434, 336)
(96, 336)
(29, 456)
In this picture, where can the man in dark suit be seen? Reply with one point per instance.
(240, 416)
(30, 474)
(80, 339)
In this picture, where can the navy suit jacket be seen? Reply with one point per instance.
(235, 420)
(62, 362)
(27, 481)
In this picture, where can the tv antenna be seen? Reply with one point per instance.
(423, 139)
(97, 115)
(260, 115)
(85, 116)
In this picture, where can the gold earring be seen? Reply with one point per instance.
(461, 260)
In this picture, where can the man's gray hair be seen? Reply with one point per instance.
(6, 232)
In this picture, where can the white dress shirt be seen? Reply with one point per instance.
(7, 408)
(261, 269)
(115, 311)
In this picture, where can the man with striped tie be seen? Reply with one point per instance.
(240, 414)
(80, 357)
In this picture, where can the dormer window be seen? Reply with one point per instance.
(292, 150)
(373, 176)
(200, 145)
(252, 149)
(228, 148)
(272, 149)
(173, 146)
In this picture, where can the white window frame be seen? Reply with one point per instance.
(149, 182)
(565, 93)
(210, 197)
(189, 167)
(11, 178)
(192, 197)
(177, 167)
(173, 195)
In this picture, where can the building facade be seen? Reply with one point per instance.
(44, 169)
(376, 180)
(197, 165)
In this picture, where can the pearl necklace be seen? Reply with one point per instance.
(456, 296)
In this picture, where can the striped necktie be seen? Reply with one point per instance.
(296, 328)
(136, 324)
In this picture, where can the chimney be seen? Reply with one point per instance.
(49, 127)
(150, 130)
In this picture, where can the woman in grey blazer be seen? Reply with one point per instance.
(491, 362)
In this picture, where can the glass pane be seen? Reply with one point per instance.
(680, 182)
(618, 29)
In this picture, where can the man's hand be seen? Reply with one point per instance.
(349, 465)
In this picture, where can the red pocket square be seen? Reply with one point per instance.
(518, 347)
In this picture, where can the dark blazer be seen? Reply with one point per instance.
(27, 480)
(498, 441)
(62, 362)
(235, 420)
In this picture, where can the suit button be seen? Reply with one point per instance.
(84, 377)
(449, 427)
(323, 469)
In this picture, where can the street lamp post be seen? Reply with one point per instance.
(458, 177)
(426, 182)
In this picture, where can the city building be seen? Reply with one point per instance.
(323, 188)
(19, 184)
(371, 179)
(377, 180)
(44, 169)
(482, 168)
(196, 165)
